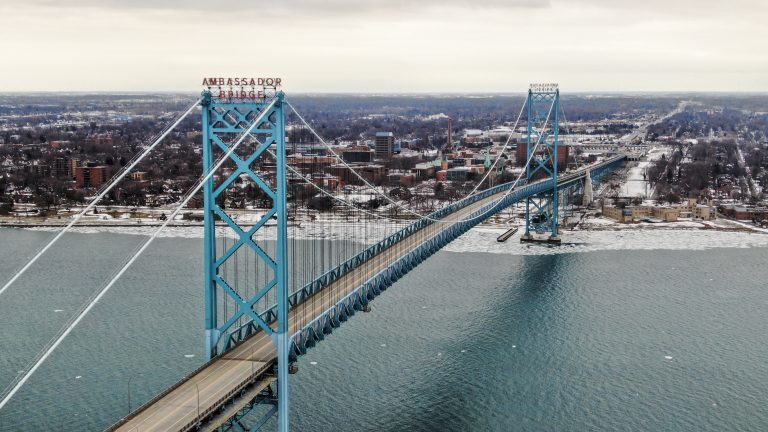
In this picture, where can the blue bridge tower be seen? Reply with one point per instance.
(236, 308)
(543, 112)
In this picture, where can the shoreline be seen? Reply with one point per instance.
(593, 224)
(593, 235)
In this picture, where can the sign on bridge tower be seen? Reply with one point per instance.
(237, 306)
(543, 112)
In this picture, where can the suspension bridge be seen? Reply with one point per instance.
(279, 283)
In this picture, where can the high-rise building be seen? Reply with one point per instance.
(74, 164)
(91, 176)
(385, 144)
(60, 167)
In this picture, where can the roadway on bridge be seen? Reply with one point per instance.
(207, 389)
(250, 361)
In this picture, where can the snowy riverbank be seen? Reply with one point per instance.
(593, 234)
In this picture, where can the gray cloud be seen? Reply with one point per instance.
(395, 45)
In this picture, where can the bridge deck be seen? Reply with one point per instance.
(206, 390)
(254, 357)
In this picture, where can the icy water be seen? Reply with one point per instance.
(601, 340)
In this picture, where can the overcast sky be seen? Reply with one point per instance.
(386, 46)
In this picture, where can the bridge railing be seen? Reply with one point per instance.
(355, 261)
(323, 324)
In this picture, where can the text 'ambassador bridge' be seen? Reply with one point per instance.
(275, 288)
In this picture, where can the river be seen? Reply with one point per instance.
(480, 337)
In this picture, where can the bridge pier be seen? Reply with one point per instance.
(529, 238)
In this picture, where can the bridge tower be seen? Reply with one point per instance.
(543, 112)
(236, 308)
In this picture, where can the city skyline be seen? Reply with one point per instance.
(388, 47)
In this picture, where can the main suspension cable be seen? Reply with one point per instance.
(530, 157)
(101, 194)
(19, 382)
(343, 162)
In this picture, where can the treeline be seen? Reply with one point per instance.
(694, 170)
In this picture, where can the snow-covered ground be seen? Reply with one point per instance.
(594, 234)
(363, 231)
(484, 240)
(635, 184)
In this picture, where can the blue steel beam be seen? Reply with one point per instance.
(282, 273)
(222, 118)
(542, 104)
(364, 292)
(525, 191)
(324, 280)
(316, 330)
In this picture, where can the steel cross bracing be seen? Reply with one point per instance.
(223, 118)
(247, 366)
(543, 110)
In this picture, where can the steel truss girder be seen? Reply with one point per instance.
(352, 263)
(238, 422)
(316, 330)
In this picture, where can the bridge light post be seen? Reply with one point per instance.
(130, 378)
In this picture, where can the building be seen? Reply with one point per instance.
(635, 213)
(401, 178)
(667, 214)
(40, 169)
(95, 176)
(697, 211)
(139, 176)
(99, 140)
(745, 212)
(326, 181)
(310, 162)
(357, 154)
(521, 154)
(60, 167)
(384, 145)
(458, 173)
(689, 209)
(426, 170)
(372, 173)
(74, 164)
(58, 144)
(563, 151)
